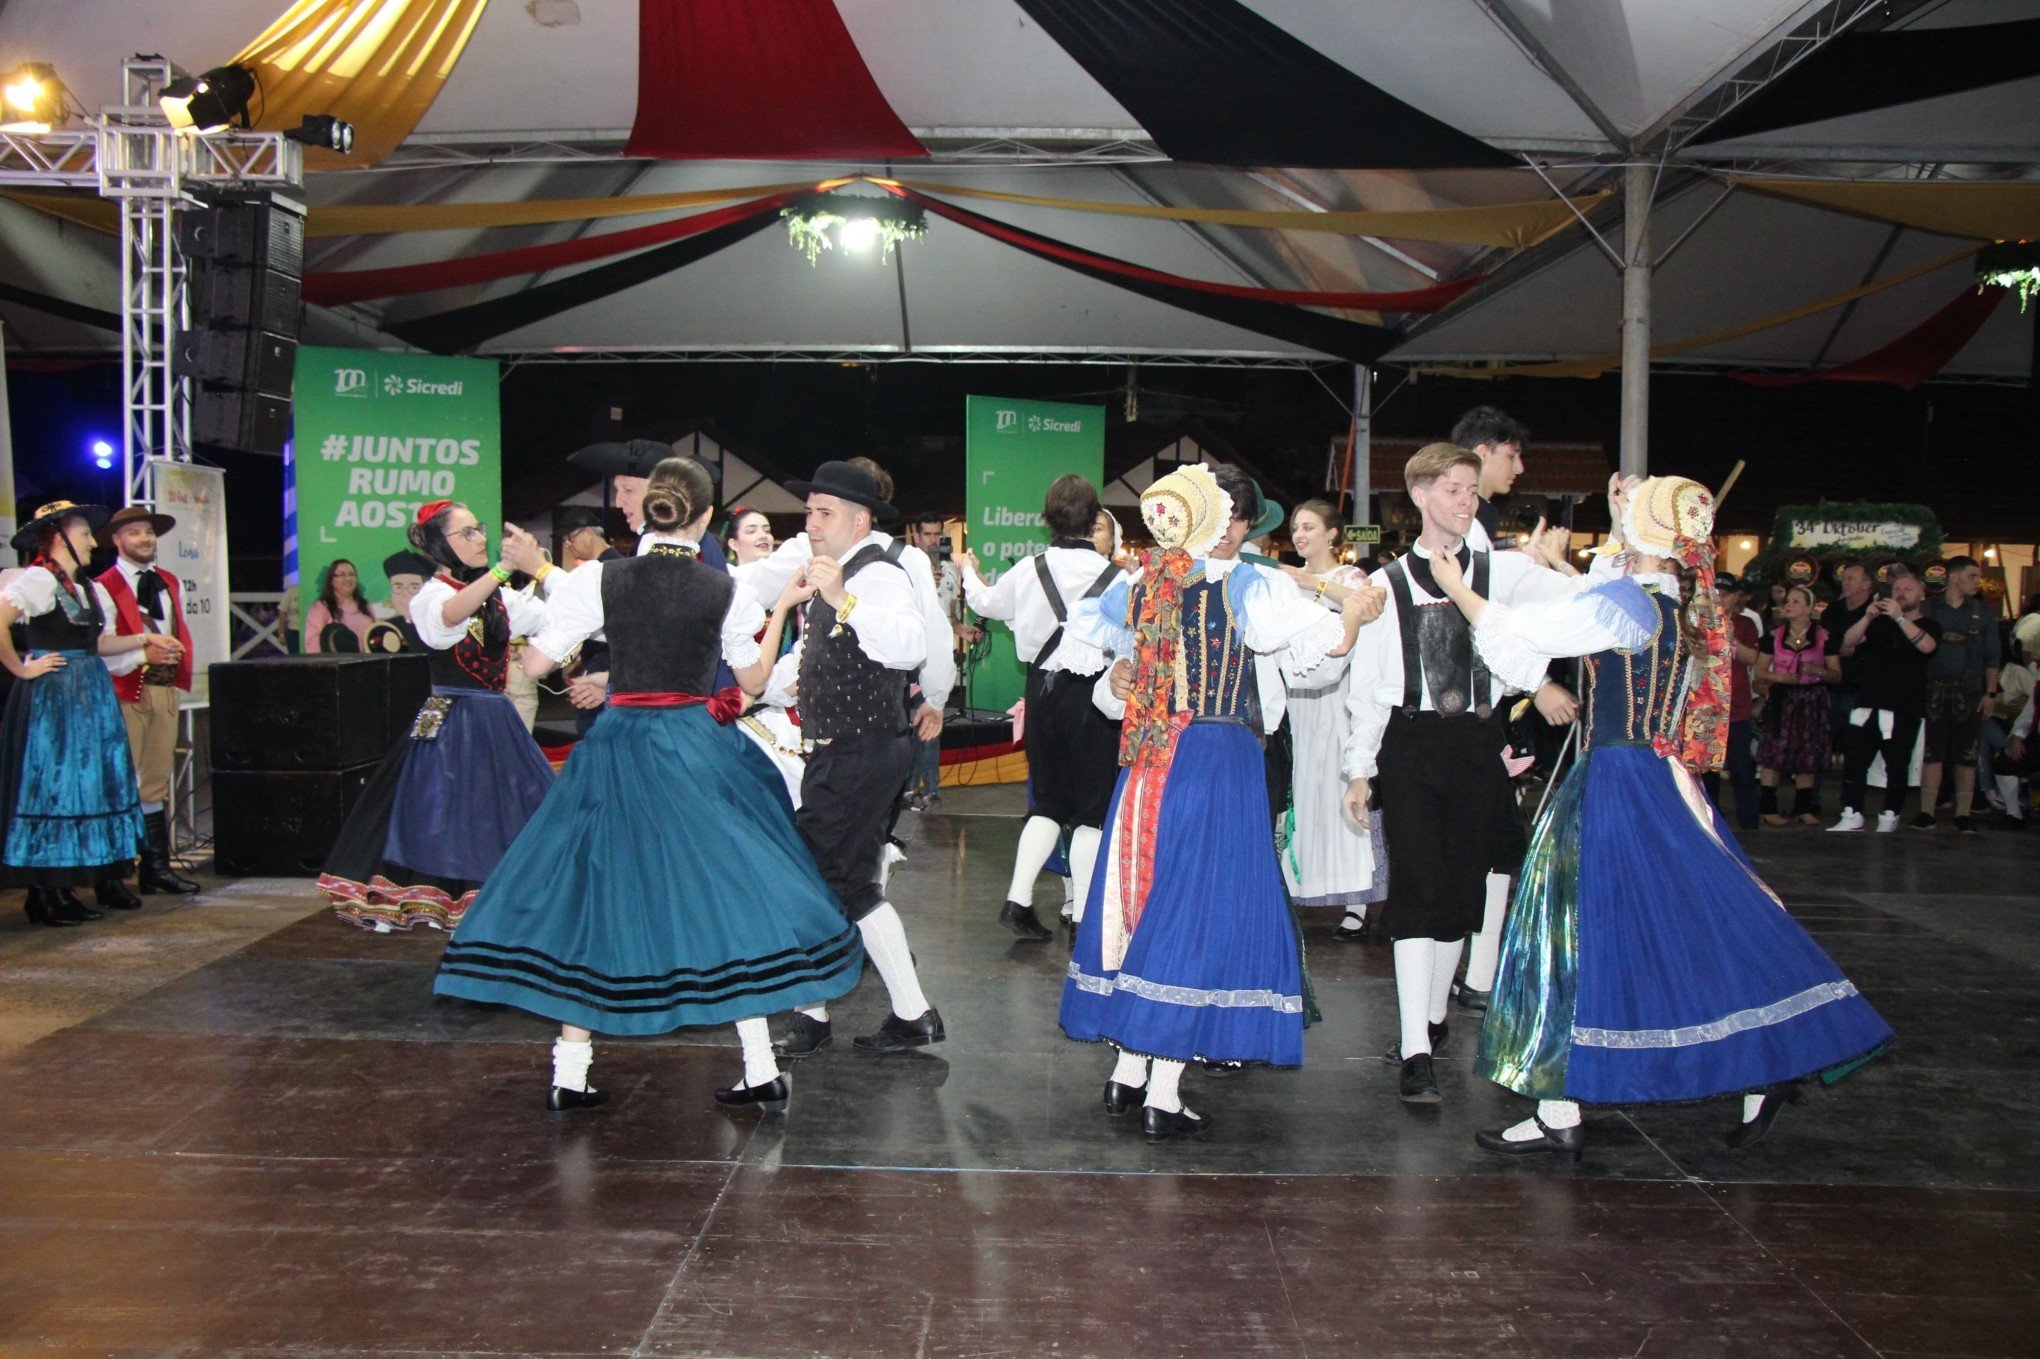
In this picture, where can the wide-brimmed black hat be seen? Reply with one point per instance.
(55, 512)
(845, 482)
(625, 458)
(339, 639)
(573, 518)
(135, 514)
(409, 564)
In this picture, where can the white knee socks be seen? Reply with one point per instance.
(1413, 960)
(1486, 948)
(1131, 1069)
(1083, 862)
(1162, 1084)
(1444, 962)
(818, 1013)
(571, 1061)
(885, 943)
(1555, 1114)
(1037, 842)
(756, 1036)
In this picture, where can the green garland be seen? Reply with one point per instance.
(814, 221)
(1768, 564)
(2010, 264)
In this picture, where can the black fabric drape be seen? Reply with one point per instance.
(1858, 72)
(1349, 340)
(1213, 81)
(57, 306)
(453, 332)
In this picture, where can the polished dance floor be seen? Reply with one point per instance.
(240, 1128)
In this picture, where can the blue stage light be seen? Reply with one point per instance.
(102, 454)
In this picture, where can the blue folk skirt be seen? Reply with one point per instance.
(70, 813)
(1214, 966)
(1644, 960)
(437, 814)
(662, 884)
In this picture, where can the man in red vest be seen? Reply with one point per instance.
(141, 599)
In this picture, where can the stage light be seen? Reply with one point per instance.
(324, 131)
(1749, 545)
(102, 454)
(859, 233)
(34, 98)
(210, 102)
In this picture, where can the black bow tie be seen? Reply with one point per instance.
(149, 591)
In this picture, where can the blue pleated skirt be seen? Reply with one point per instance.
(1214, 968)
(661, 884)
(70, 813)
(1644, 959)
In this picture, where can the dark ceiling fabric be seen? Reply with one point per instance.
(1859, 72)
(57, 306)
(1213, 81)
(1349, 340)
(453, 332)
(749, 80)
(332, 289)
(1913, 357)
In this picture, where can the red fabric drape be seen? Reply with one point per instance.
(1910, 359)
(752, 80)
(334, 289)
(1415, 300)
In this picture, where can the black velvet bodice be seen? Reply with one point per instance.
(663, 615)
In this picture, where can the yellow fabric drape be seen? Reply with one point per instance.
(1511, 226)
(98, 213)
(1594, 367)
(1989, 212)
(371, 219)
(377, 64)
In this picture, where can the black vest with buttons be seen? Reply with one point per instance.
(663, 615)
(843, 692)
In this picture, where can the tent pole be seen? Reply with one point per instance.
(1362, 479)
(1638, 183)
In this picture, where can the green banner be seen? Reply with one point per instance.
(1013, 451)
(378, 435)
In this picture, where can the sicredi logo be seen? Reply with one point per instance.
(393, 385)
(1048, 424)
(1005, 422)
(400, 386)
(350, 382)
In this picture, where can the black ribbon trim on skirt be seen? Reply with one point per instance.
(751, 977)
(1213, 81)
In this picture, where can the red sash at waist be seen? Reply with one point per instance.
(724, 705)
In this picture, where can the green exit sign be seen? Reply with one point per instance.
(1363, 533)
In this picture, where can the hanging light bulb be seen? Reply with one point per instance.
(859, 233)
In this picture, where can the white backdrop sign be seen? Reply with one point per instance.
(196, 553)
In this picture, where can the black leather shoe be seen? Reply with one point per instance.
(1354, 934)
(1419, 1085)
(771, 1096)
(1470, 999)
(896, 1034)
(1439, 1033)
(1223, 1069)
(1750, 1133)
(804, 1035)
(1121, 1100)
(564, 1101)
(1160, 1125)
(1023, 922)
(1566, 1141)
(44, 907)
(156, 875)
(115, 895)
(74, 910)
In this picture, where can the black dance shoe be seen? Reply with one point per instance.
(1355, 934)
(771, 1096)
(1566, 1141)
(897, 1035)
(1121, 1100)
(1223, 1069)
(44, 907)
(1419, 1085)
(804, 1035)
(115, 895)
(1748, 1134)
(155, 873)
(1470, 999)
(74, 910)
(561, 1100)
(1159, 1125)
(1023, 922)
(1439, 1032)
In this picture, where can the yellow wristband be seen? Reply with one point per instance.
(545, 569)
(843, 614)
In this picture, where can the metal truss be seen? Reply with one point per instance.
(946, 146)
(1072, 355)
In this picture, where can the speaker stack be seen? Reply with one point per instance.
(294, 740)
(244, 259)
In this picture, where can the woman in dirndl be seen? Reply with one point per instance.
(70, 810)
(663, 885)
(453, 793)
(1796, 662)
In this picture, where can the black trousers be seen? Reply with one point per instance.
(1861, 745)
(1445, 804)
(847, 799)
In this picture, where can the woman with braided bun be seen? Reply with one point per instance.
(453, 793)
(663, 883)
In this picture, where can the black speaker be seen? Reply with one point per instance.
(313, 712)
(244, 261)
(277, 823)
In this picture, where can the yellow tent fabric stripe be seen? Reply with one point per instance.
(1989, 212)
(377, 64)
(375, 219)
(1594, 367)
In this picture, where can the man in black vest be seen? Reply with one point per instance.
(862, 642)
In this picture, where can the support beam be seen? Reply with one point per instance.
(1362, 477)
(1638, 182)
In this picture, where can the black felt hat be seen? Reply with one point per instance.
(573, 518)
(55, 513)
(408, 563)
(845, 482)
(627, 458)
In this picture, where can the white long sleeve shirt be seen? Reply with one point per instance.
(575, 612)
(1018, 600)
(527, 615)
